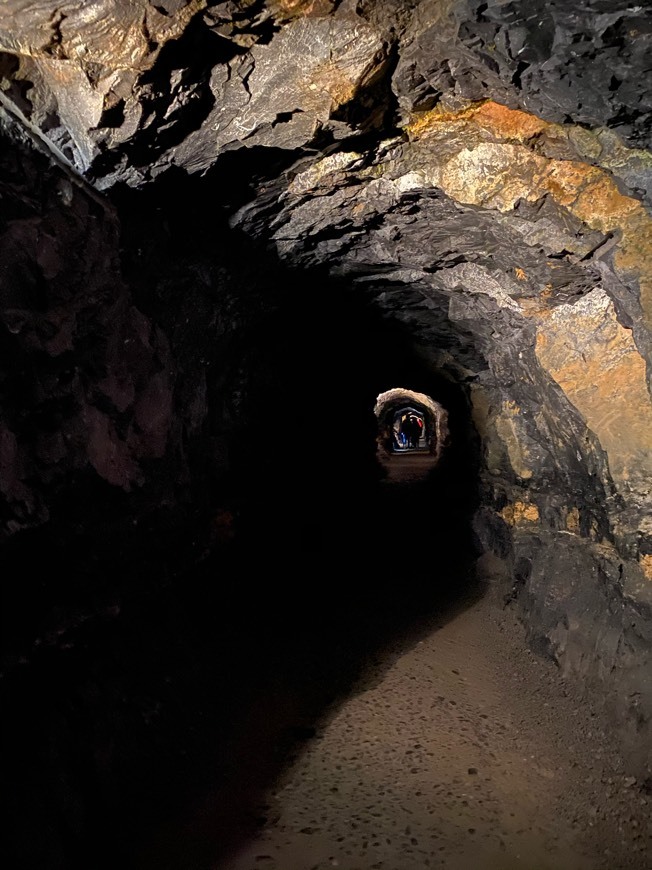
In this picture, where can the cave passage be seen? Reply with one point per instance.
(203, 692)
(202, 687)
(152, 730)
(325, 420)
(229, 715)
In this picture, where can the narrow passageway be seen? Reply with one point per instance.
(338, 687)
(351, 580)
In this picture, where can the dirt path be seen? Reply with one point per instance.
(462, 751)
(463, 755)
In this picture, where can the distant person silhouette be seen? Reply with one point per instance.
(415, 432)
(411, 429)
(418, 430)
(405, 432)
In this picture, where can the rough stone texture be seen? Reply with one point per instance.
(616, 640)
(474, 173)
(281, 94)
(567, 61)
(596, 363)
(81, 354)
(561, 61)
(78, 64)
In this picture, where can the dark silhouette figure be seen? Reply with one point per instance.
(411, 428)
(417, 430)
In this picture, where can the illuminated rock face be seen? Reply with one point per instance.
(477, 171)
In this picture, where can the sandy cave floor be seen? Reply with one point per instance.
(465, 754)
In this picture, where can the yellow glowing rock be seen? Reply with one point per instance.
(106, 35)
(496, 119)
(595, 361)
(520, 513)
(646, 564)
(295, 8)
(573, 521)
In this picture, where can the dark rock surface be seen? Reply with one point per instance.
(616, 640)
(568, 61)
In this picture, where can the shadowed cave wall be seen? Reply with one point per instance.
(219, 218)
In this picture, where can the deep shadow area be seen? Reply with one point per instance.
(145, 730)
(188, 703)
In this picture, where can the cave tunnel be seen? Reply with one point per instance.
(247, 624)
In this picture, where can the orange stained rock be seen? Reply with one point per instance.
(335, 81)
(423, 123)
(498, 180)
(592, 195)
(646, 565)
(596, 363)
(511, 409)
(297, 8)
(503, 123)
(520, 513)
(599, 203)
(573, 520)
(565, 180)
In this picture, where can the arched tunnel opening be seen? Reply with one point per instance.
(409, 421)
(325, 423)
